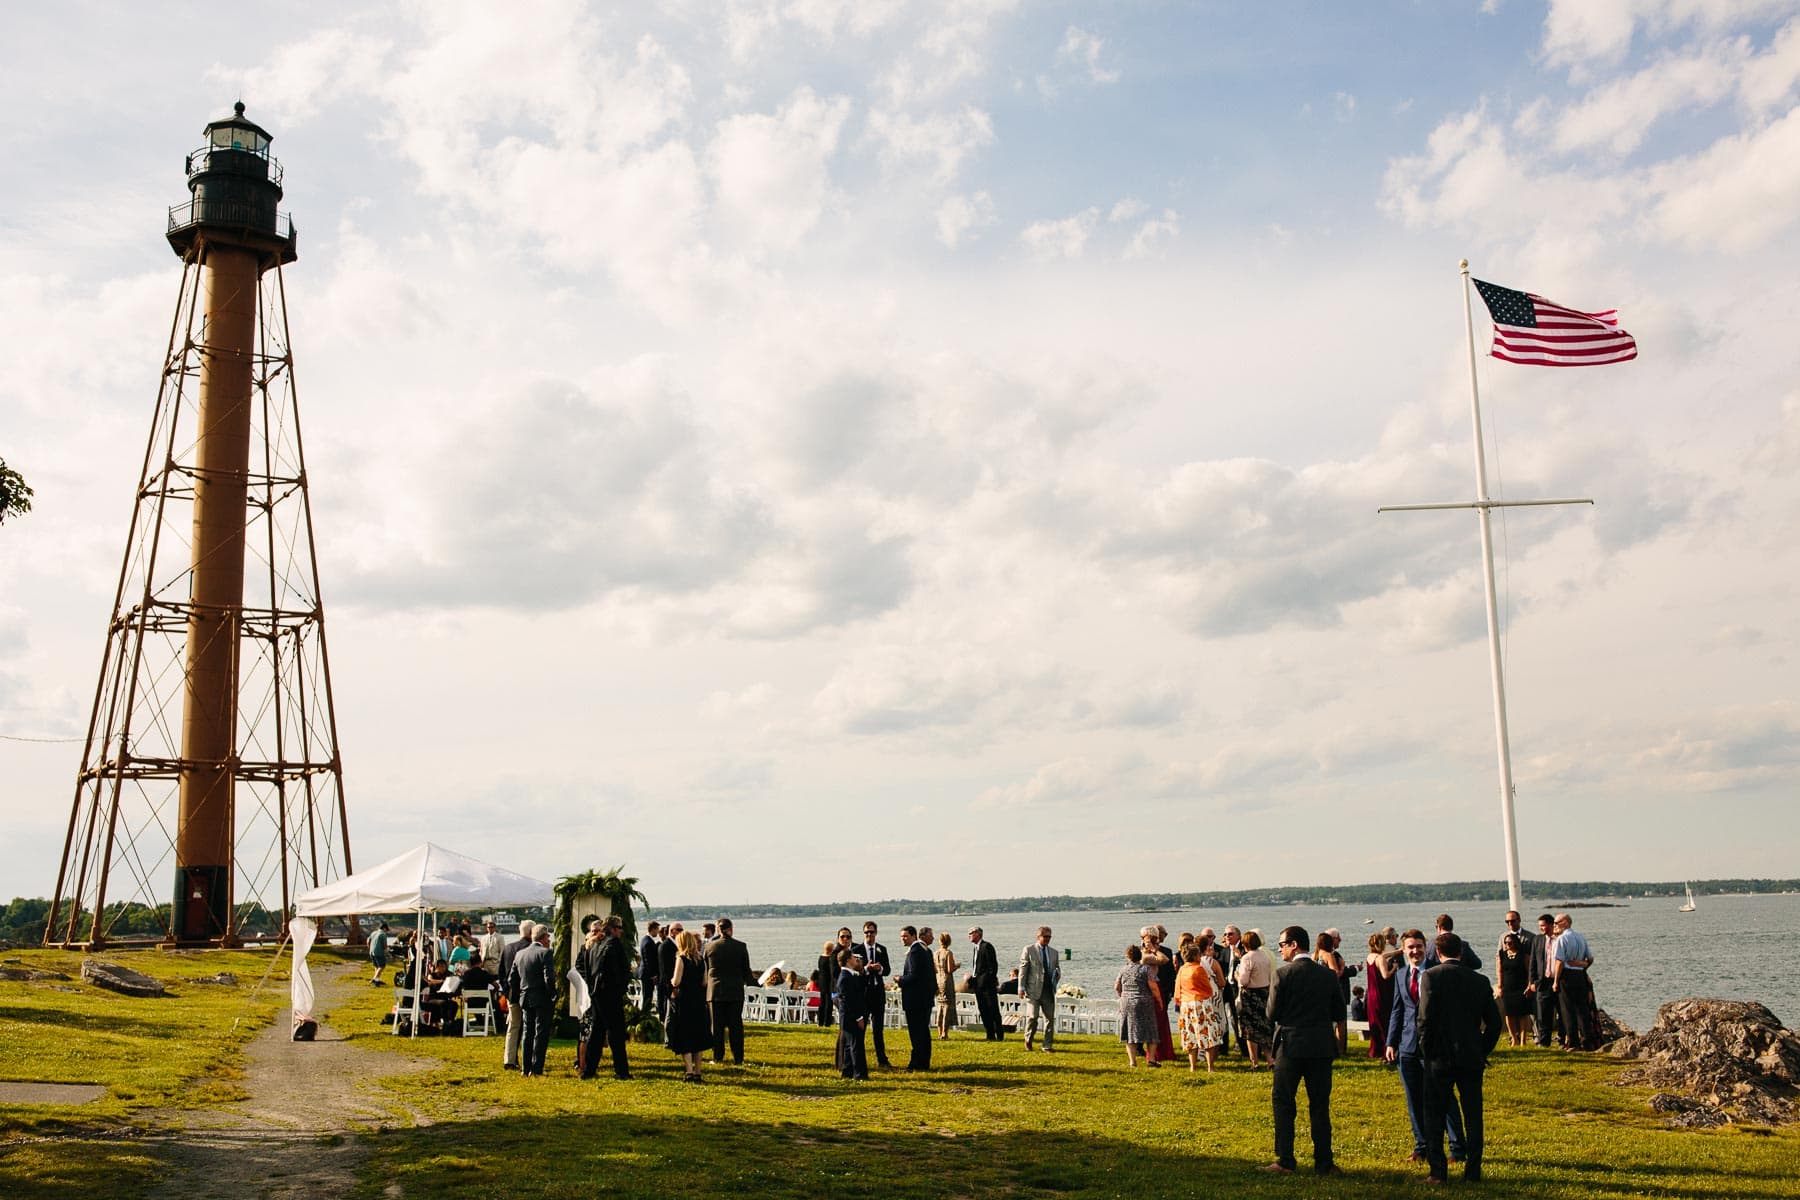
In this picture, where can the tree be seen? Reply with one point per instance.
(15, 493)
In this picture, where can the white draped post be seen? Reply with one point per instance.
(300, 990)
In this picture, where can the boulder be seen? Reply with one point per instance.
(223, 979)
(1608, 1029)
(122, 980)
(1718, 1062)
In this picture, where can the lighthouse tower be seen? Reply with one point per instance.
(211, 789)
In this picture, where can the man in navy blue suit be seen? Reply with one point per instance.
(1447, 924)
(1403, 1046)
(918, 989)
(875, 972)
(853, 1015)
(649, 966)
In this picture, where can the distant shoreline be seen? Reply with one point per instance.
(1542, 893)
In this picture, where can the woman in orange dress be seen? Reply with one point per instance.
(1194, 992)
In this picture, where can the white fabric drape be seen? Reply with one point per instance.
(578, 995)
(304, 933)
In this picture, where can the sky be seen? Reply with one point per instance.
(813, 450)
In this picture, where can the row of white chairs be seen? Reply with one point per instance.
(784, 1006)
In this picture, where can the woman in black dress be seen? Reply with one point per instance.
(1515, 1005)
(828, 972)
(689, 1031)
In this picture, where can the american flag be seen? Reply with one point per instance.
(1531, 329)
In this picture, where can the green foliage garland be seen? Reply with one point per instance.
(621, 891)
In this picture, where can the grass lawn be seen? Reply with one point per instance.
(179, 1051)
(994, 1120)
(990, 1120)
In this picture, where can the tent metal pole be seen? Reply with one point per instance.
(418, 967)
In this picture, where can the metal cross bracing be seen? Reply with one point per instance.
(288, 817)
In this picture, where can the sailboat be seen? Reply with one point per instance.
(1689, 906)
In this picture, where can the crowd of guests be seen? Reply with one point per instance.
(1430, 1013)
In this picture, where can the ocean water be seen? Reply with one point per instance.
(1645, 951)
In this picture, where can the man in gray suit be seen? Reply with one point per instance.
(1306, 1006)
(533, 979)
(1039, 973)
(728, 973)
(515, 1023)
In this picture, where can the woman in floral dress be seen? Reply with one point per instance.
(1135, 988)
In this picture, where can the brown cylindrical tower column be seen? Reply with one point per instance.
(233, 232)
(204, 834)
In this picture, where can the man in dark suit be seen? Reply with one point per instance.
(1307, 1009)
(984, 981)
(1403, 1046)
(649, 964)
(918, 988)
(728, 973)
(532, 979)
(876, 968)
(1458, 1026)
(509, 1055)
(852, 1002)
(1447, 924)
(607, 973)
(666, 954)
(1538, 983)
(1231, 951)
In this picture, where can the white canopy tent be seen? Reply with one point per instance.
(425, 879)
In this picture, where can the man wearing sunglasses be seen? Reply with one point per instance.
(1307, 1009)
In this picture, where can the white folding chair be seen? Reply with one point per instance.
(478, 1012)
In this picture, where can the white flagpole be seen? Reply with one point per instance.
(1483, 508)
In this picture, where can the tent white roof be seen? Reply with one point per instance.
(426, 876)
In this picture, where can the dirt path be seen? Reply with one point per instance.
(295, 1133)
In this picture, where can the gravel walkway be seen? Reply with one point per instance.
(296, 1132)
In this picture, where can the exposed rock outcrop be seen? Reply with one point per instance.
(28, 975)
(122, 980)
(1608, 1029)
(1719, 1061)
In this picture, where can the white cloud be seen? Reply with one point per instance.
(1079, 780)
(1082, 49)
(1064, 237)
(296, 79)
(1577, 31)
(1153, 231)
(897, 690)
(948, 51)
(941, 142)
(772, 173)
(1738, 194)
(1619, 114)
(961, 217)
